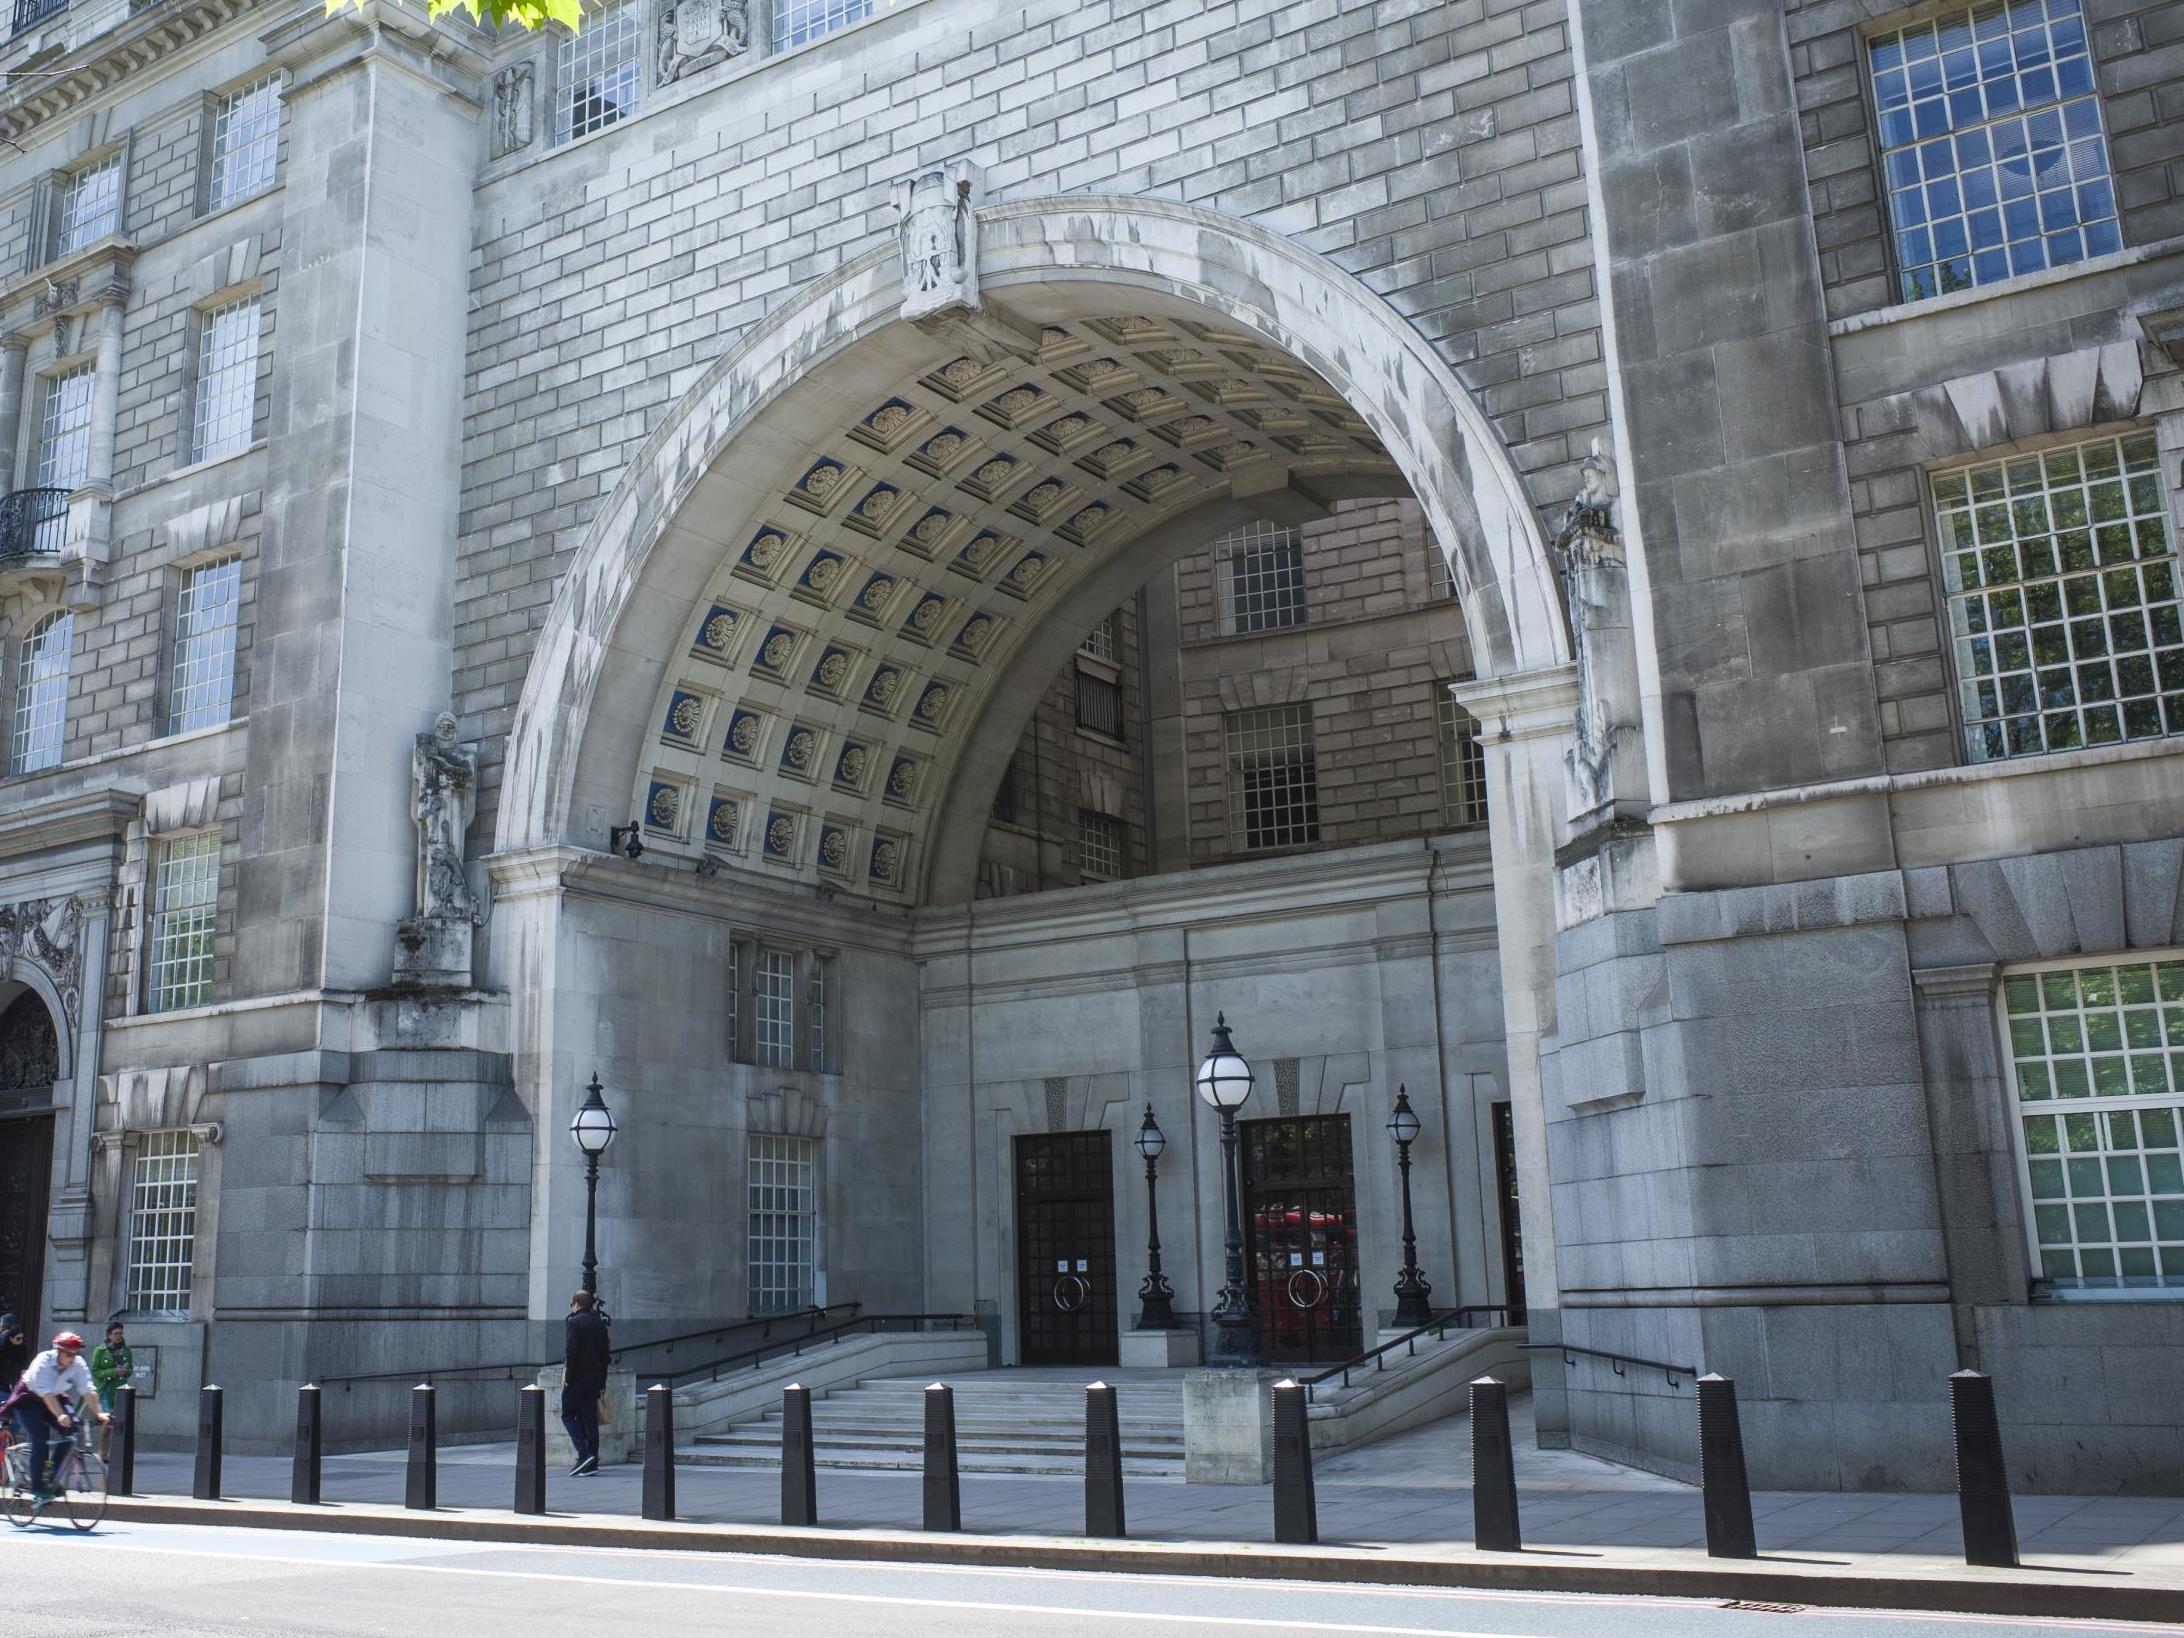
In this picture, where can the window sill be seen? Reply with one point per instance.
(2043, 1299)
(1902, 312)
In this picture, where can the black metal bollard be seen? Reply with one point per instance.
(303, 1474)
(1102, 1463)
(659, 1497)
(205, 1483)
(422, 1491)
(799, 1472)
(121, 1472)
(1296, 1508)
(1493, 1471)
(1983, 1483)
(1726, 1489)
(943, 1481)
(531, 1449)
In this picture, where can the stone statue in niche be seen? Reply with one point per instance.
(513, 106)
(1596, 577)
(939, 240)
(696, 34)
(443, 795)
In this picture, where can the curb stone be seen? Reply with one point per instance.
(1967, 1591)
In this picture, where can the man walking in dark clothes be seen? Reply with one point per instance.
(584, 1379)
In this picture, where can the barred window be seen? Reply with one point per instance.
(2097, 1062)
(1099, 703)
(774, 990)
(1463, 764)
(795, 21)
(246, 132)
(1262, 579)
(185, 905)
(1099, 845)
(1991, 142)
(1104, 641)
(1273, 778)
(163, 1224)
(2063, 603)
(781, 1247)
(203, 692)
(227, 380)
(596, 74)
(815, 1014)
(90, 205)
(41, 694)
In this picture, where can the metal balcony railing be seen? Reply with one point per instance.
(30, 13)
(32, 521)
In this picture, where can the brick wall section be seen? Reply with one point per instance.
(1429, 148)
(2138, 52)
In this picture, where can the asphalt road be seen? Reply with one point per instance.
(178, 1581)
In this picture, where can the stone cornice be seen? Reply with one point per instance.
(1522, 704)
(69, 288)
(102, 64)
(81, 817)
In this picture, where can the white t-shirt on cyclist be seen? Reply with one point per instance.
(46, 1376)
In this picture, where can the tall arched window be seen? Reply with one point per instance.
(41, 694)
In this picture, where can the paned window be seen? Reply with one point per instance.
(1103, 641)
(1463, 764)
(185, 904)
(1005, 795)
(246, 133)
(782, 1242)
(735, 1003)
(227, 381)
(41, 694)
(2063, 609)
(1440, 584)
(204, 646)
(1099, 703)
(1099, 845)
(1273, 778)
(64, 448)
(795, 21)
(774, 990)
(815, 1014)
(2097, 1062)
(596, 74)
(1991, 143)
(1262, 579)
(163, 1224)
(90, 205)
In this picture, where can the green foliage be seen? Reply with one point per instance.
(494, 14)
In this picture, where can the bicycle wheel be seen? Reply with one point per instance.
(14, 1491)
(83, 1488)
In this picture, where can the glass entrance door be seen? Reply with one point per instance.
(1065, 1248)
(1300, 1236)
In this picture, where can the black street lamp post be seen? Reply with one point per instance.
(593, 1128)
(1156, 1299)
(1224, 1081)
(1413, 1306)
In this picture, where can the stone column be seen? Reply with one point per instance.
(106, 393)
(13, 352)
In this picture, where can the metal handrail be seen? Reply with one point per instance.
(1408, 1341)
(1569, 1351)
(811, 1318)
(25, 517)
(792, 1347)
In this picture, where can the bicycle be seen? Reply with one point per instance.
(79, 1481)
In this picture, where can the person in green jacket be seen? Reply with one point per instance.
(111, 1365)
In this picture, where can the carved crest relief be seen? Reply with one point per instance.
(939, 240)
(696, 34)
(49, 932)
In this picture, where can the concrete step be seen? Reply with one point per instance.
(760, 1438)
(884, 1460)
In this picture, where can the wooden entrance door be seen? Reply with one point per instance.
(26, 1166)
(1300, 1237)
(1065, 1248)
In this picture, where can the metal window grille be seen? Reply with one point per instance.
(1099, 845)
(2097, 1062)
(203, 693)
(41, 695)
(2063, 598)
(30, 13)
(185, 904)
(782, 1242)
(1262, 579)
(1992, 147)
(90, 205)
(163, 1223)
(246, 133)
(815, 1013)
(774, 989)
(1099, 703)
(795, 21)
(227, 380)
(1103, 641)
(1273, 778)
(596, 73)
(1463, 764)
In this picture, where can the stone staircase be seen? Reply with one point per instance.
(1027, 1420)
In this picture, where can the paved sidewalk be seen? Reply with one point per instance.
(1411, 1492)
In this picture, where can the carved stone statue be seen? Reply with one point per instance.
(696, 34)
(49, 932)
(939, 241)
(513, 106)
(1597, 580)
(443, 795)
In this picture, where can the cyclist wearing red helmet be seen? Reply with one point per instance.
(47, 1404)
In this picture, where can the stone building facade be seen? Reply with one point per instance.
(738, 415)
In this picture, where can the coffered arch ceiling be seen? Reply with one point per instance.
(908, 545)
